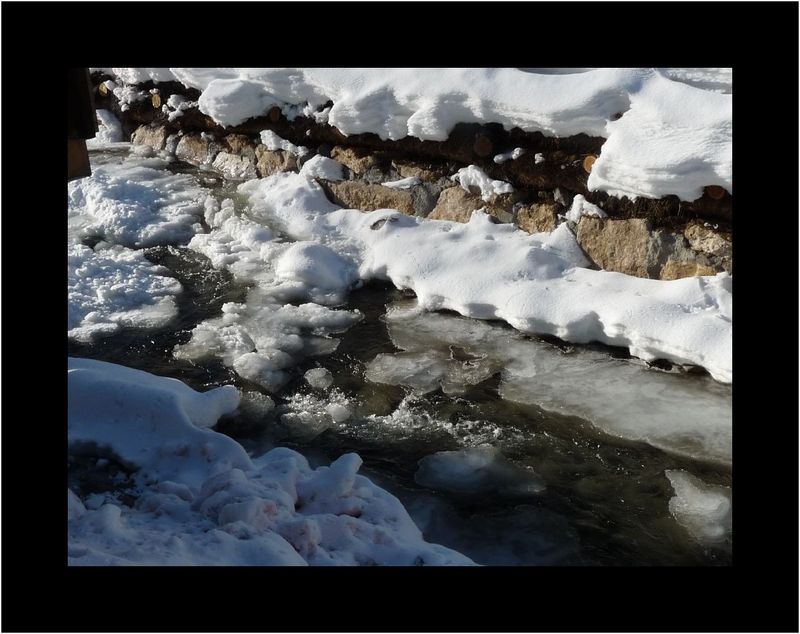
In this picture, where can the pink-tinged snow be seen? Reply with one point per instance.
(201, 500)
(673, 137)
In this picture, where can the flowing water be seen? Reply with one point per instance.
(558, 492)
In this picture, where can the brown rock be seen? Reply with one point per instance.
(675, 269)
(154, 136)
(358, 160)
(368, 197)
(240, 144)
(195, 149)
(537, 217)
(418, 170)
(273, 161)
(457, 204)
(617, 245)
(706, 240)
(235, 166)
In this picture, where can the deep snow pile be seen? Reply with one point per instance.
(494, 271)
(110, 287)
(200, 499)
(673, 138)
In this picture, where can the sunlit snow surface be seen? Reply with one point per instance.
(200, 499)
(674, 135)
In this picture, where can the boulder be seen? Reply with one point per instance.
(356, 159)
(537, 217)
(618, 245)
(369, 197)
(235, 166)
(676, 269)
(154, 136)
(705, 240)
(408, 169)
(242, 145)
(457, 204)
(196, 149)
(273, 161)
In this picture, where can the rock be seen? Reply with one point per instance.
(273, 161)
(418, 170)
(706, 240)
(537, 217)
(675, 269)
(235, 166)
(242, 145)
(457, 204)
(196, 149)
(356, 159)
(369, 197)
(153, 136)
(618, 245)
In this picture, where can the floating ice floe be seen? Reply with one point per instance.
(200, 499)
(702, 509)
(673, 136)
(111, 287)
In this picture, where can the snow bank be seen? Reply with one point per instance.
(686, 415)
(702, 509)
(200, 499)
(493, 271)
(109, 130)
(673, 138)
(111, 287)
(137, 204)
(322, 167)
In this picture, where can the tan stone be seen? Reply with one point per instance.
(154, 136)
(537, 217)
(675, 269)
(273, 161)
(235, 166)
(194, 149)
(706, 240)
(240, 144)
(416, 170)
(457, 204)
(616, 245)
(368, 197)
(356, 159)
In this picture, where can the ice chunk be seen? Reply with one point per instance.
(702, 509)
(319, 378)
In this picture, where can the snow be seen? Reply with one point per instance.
(493, 271)
(112, 287)
(674, 136)
(582, 207)
(685, 415)
(136, 203)
(322, 167)
(319, 378)
(675, 139)
(273, 142)
(403, 183)
(109, 130)
(703, 510)
(474, 176)
(538, 158)
(200, 499)
(510, 155)
(478, 469)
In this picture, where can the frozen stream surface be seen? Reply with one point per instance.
(505, 447)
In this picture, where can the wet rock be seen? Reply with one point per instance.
(457, 204)
(235, 166)
(537, 217)
(197, 149)
(369, 197)
(241, 145)
(154, 136)
(356, 159)
(273, 161)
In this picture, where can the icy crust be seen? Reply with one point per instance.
(201, 500)
(137, 204)
(702, 509)
(110, 287)
(673, 138)
(690, 416)
(494, 271)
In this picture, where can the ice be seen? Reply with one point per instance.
(136, 203)
(200, 499)
(319, 378)
(702, 509)
(682, 414)
(111, 287)
(109, 130)
(481, 469)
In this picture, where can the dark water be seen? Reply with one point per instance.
(605, 499)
